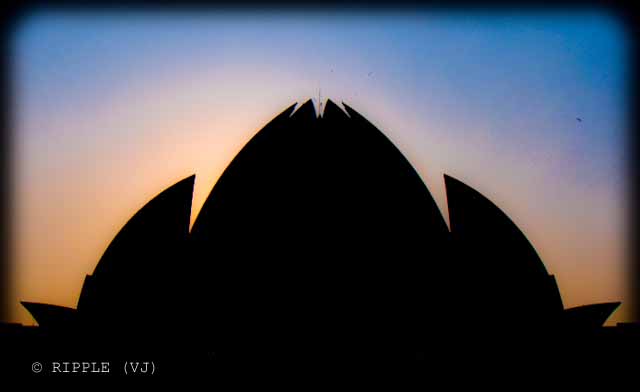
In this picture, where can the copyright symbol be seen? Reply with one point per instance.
(36, 367)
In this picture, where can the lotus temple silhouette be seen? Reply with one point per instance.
(320, 240)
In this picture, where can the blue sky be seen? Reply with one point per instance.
(132, 102)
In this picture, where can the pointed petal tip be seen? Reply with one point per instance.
(352, 113)
(332, 109)
(307, 108)
(290, 110)
(450, 182)
(191, 179)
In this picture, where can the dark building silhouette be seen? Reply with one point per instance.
(319, 241)
(589, 316)
(320, 231)
(51, 316)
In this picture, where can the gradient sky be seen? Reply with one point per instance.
(112, 108)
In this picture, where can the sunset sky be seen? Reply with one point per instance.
(112, 108)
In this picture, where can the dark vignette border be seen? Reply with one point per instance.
(13, 13)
